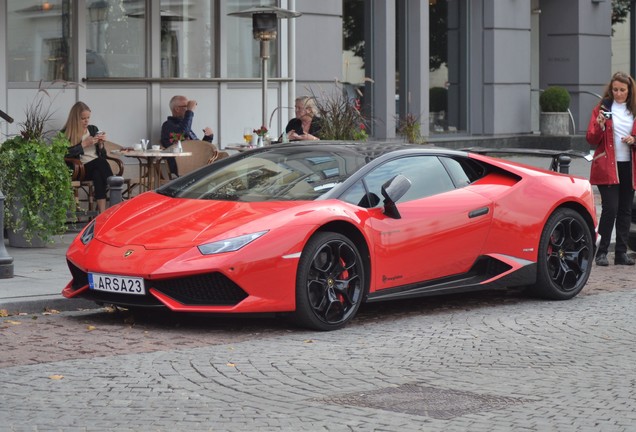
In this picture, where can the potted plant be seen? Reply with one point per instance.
(340, 117)
(555, 118)
(409, 127)
(35, 180)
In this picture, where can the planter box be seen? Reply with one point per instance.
(17, 240)
(554, 123)
(16, 236)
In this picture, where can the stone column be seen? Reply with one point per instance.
(380, 66)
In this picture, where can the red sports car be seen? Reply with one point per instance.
(313, 230)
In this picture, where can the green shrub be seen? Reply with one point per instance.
(437, 99)
(554, 99)
(37, 184)
(34, 177)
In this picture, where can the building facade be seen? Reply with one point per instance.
(462, 67)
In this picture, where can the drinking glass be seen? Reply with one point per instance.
(247, 135)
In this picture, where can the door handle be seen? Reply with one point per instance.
(479, 212)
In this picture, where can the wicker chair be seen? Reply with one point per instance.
(203, 153)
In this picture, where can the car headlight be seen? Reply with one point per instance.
(229, 245)
(88, 233)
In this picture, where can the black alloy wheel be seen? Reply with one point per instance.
(565, 256)
(330, 282)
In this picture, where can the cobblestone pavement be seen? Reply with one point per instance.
(477, 362)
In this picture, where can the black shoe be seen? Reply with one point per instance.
(601, 259)
(622, 258)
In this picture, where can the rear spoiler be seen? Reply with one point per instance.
(560, 158)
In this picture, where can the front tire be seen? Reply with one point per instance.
(330, 282)
(564, 261)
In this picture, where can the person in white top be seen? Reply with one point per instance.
(612, 131)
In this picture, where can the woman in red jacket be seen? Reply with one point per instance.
(611, 130)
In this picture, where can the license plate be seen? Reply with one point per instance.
(116, 284)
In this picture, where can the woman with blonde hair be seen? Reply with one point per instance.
(306, 124)
(87, 145)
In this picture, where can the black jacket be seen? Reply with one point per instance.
(180, 126)
(297, 125)
(77, 150)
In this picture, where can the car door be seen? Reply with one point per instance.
(441, 229)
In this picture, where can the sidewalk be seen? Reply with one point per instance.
(40, 274)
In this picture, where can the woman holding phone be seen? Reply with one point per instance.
(87, 144)
(612, 131)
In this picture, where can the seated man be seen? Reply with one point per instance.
(180, 124)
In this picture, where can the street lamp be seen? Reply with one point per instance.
(264, 29)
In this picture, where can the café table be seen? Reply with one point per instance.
(239, 147)
(150, 161)
(244, 147)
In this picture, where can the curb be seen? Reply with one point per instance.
(45, 303)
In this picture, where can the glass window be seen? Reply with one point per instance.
(39, 41)
(353, 54)
(243, 51)
(186, 39)
(426, 173)
(447, 45)
(284, 174)
(358, 195)
(353, 42)
(116, 42)
(464, 171)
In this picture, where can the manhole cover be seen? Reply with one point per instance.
(415, 399)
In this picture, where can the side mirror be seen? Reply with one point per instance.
(392, 191)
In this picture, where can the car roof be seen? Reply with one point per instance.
(369, 149)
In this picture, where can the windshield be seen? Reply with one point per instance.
(288, 174)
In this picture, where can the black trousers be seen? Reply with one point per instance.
(616, 201)
(172, 166)
(98, 170)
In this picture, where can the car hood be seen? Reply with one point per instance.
(159, 222)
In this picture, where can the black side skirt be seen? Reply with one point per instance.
(484, 269)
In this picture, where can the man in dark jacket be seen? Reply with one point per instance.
(178, 127)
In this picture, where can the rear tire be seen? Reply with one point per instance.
(330, 282)
(564, 261)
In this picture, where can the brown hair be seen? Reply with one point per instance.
(73, 128)
(626, 79)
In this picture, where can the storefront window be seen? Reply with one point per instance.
(116, 39)
(243, 51)
(447, 82)
(39, 41)
(186, 40)
(438, 64)
(353, 72)
(116, 44)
